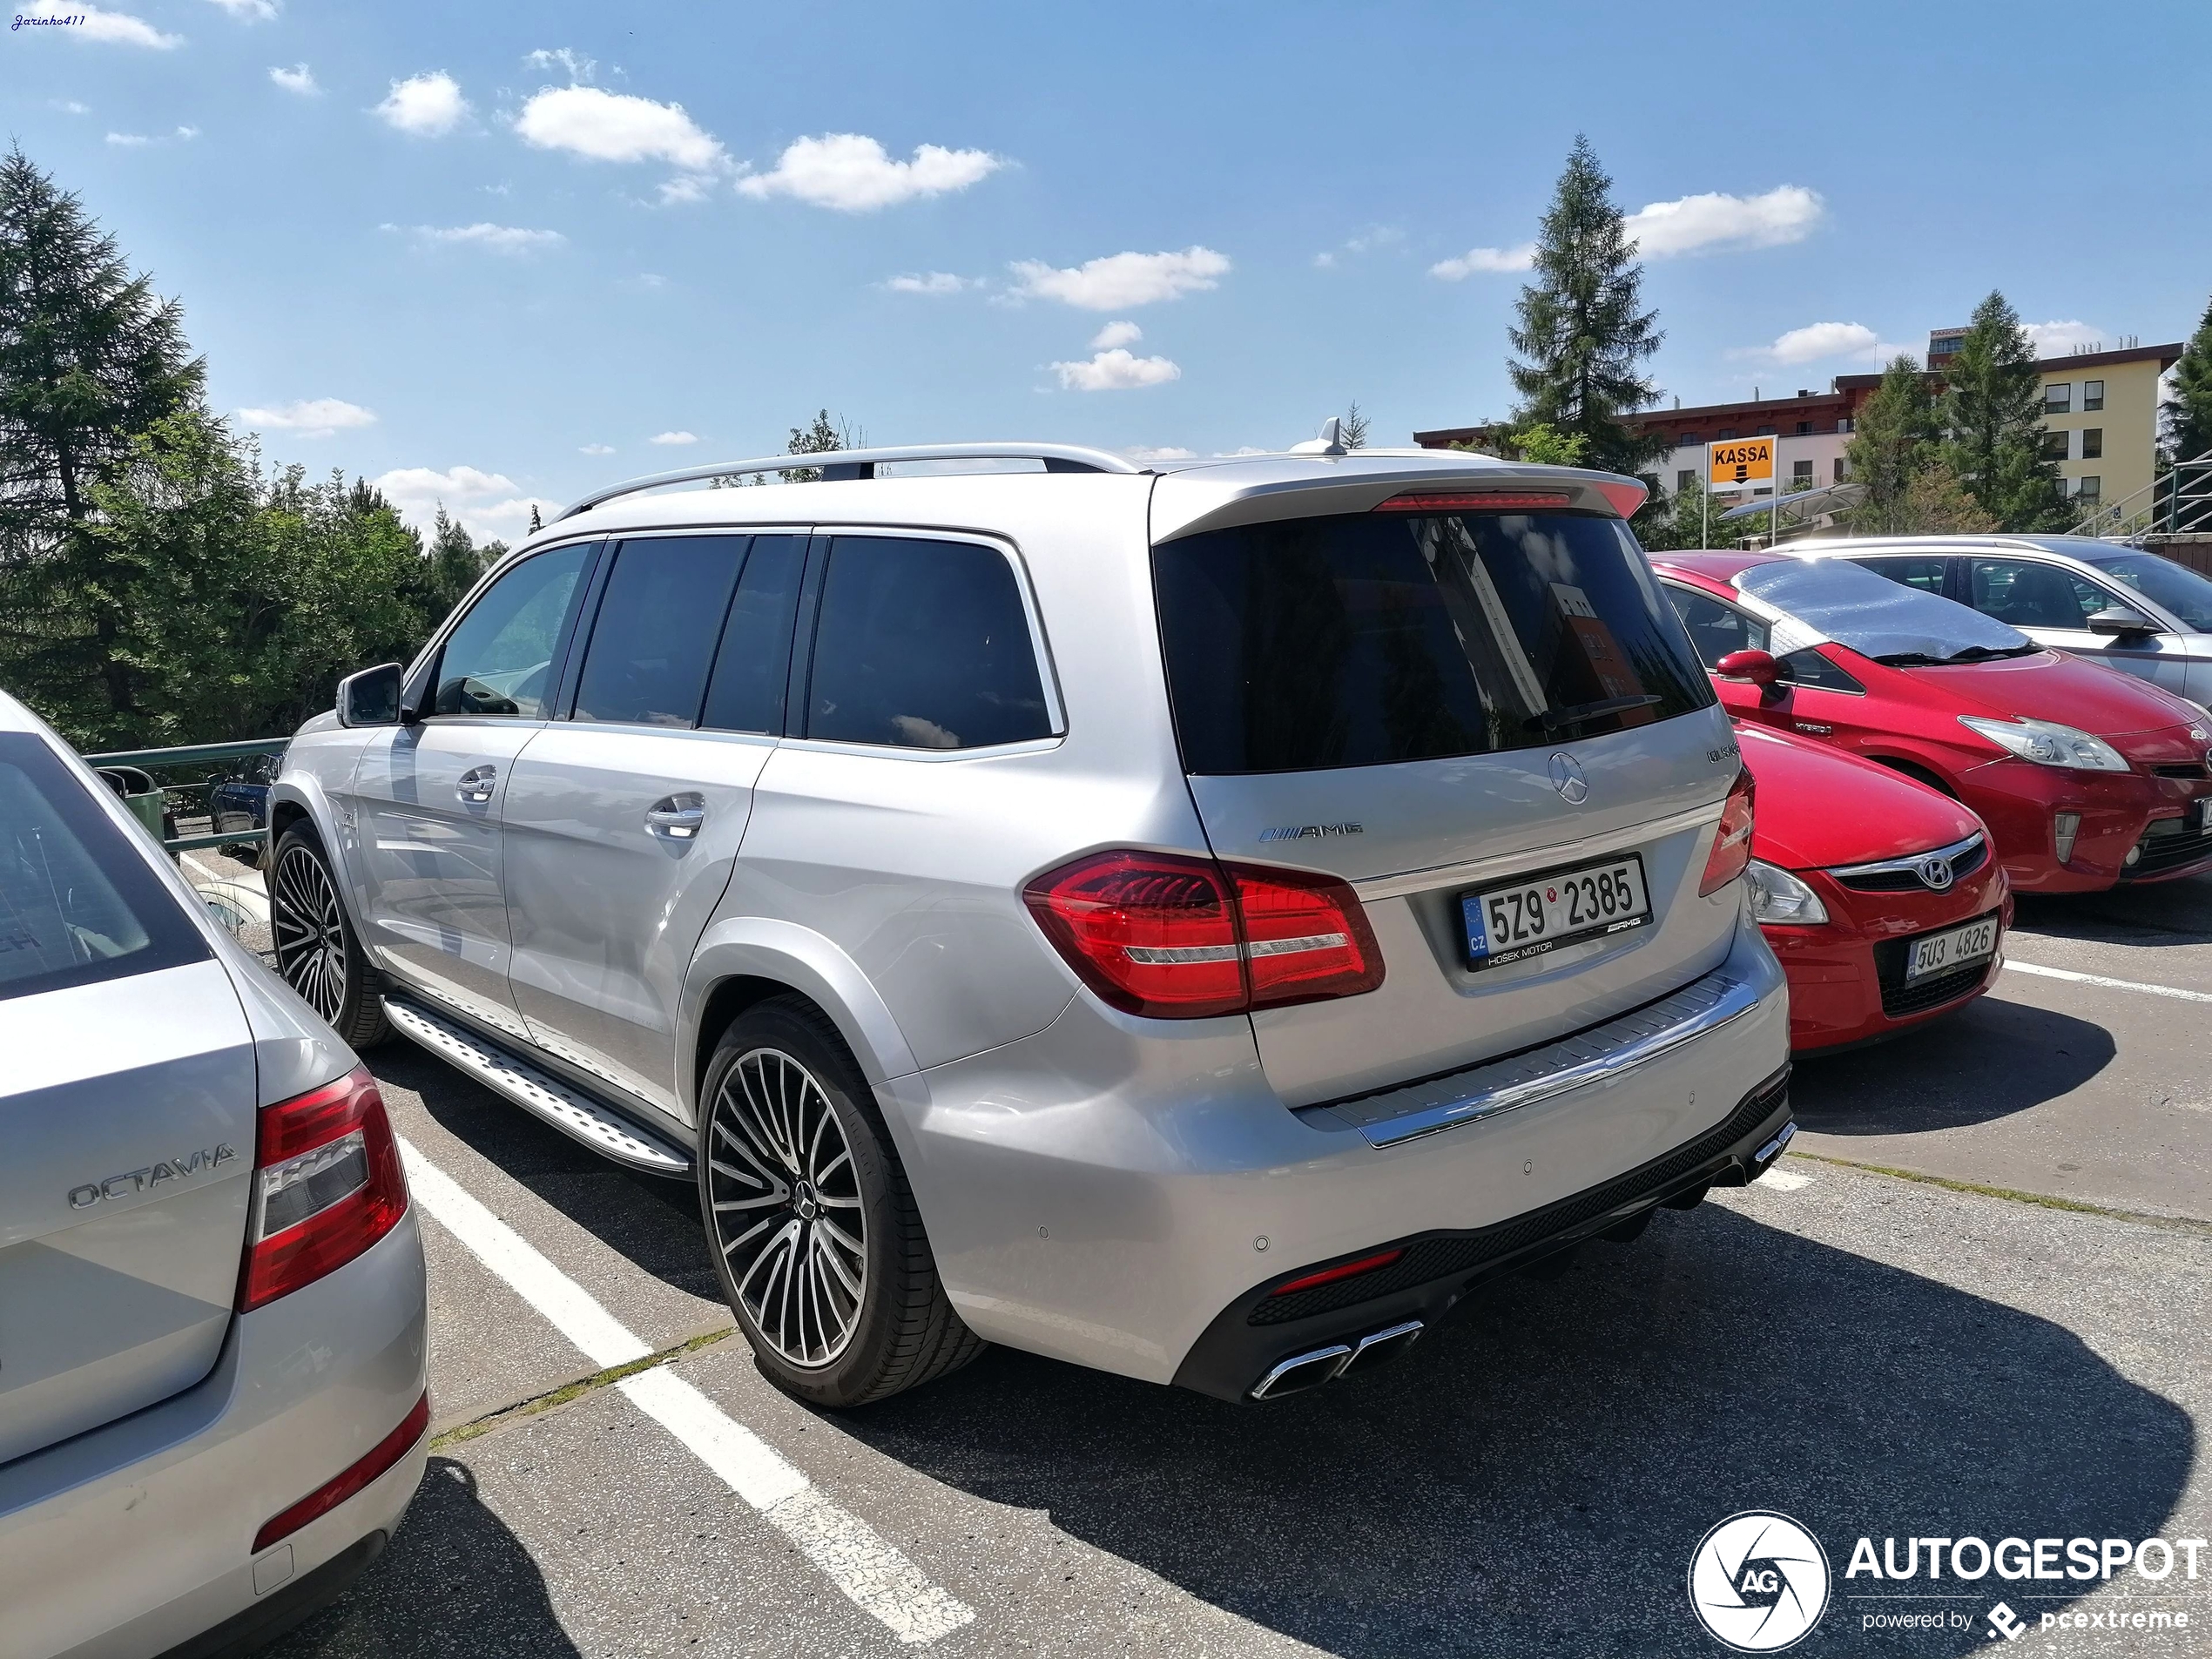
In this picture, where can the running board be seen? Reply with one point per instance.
(568, 1109)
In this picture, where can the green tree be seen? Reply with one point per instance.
(1543, 444)
(1895, 438)
(1993, 412)
(1584, 335)
(2187, 415)
(1937, 503)
(1352, 427)
(821, 439)
(91, 362)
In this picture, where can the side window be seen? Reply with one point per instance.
(653, 638)
(923, 646)
(746, 693)
(2029, 595)
(1716, 628)
(500, 659)
(1809, 668)
(1924, 574)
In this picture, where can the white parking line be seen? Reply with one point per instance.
(1785, 1180)
(2174, 992)
(875, 1576)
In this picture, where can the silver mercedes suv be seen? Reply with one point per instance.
(1199, 919)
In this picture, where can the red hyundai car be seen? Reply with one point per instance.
(1880, 896)
(2085, 777)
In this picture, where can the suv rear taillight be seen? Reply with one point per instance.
(1178, 938)
(1733, 841)
(326, 1185)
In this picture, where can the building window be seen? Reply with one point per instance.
(1686, 479)
(2093, 442)
(2092, 396)
(1801, 474)
(1839, 469)
(1846, 424)
(1766, 431)
(2058, 399)
(1803, 428)
(2054, 445)
(1727, 432)
(2089, 489)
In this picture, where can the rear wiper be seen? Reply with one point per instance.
(1554, 719)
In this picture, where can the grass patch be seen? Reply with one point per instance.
(540, 1404)
(2048, 1201)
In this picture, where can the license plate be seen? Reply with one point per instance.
(1952, 948)
(2204, 815)
(1528, 917)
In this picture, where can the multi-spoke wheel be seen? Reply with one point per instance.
(316, 950)
(815, 1232)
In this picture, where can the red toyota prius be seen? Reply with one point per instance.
(2086, 777)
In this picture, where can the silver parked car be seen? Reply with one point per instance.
(1195, 921)
(212, 1305)
(2122, 606)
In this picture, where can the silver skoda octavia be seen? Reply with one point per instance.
(1197, 920)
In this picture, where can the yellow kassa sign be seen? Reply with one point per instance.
(1731, 462)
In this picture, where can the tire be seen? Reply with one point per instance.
(809, 1220)
(317, 950)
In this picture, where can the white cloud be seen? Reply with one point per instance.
(498, 239)
(1713, 222)
(1116, 371)
(107, 28)
(187, 133)
(1366, 242)
(133, 139)
(138, 140)
(578, 67)
(1485, 259)
(1815, 341)
(932, 282)
(854, 174)
(1165, 452)
(299, 78)
(596, 449)
(427, 105)
(2057, 339)
(250, 11)
(674, 437)
(488, 503)
(316, 417)
(68, 106)
(1122, 280)
(615, 126)
(1115, 333)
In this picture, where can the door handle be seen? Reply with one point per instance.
(476, 785)
(677, 818)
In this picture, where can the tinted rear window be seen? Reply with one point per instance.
(76, 901)
(1366, 638)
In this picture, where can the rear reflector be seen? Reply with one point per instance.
(385, 1455)
(326, 1185)
(1733, 841)
(1476, 501)
(1342, 1270)
(1173, 937)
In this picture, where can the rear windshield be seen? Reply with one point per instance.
(1372, 638)
(1881, 618)
(76, 901)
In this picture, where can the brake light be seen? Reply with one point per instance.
(1475, 501)
(1733, 841)
(1177, 938)
(326, 1185)
(1624, 498)
(384, 1456)
(1342, 1270)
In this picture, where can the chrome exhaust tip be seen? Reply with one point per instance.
(1383, 1346)
(1304, 1371)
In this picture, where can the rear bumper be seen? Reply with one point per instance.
(137, 1538)
(1102, 1191)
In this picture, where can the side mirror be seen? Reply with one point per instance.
(2119, 622)
(372, 697)
(1756, 666)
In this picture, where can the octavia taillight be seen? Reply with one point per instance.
(326, 1185)
(1181, 938)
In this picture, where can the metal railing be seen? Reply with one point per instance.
(2179, 504)
(193, 794)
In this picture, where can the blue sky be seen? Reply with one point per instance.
(489, 254)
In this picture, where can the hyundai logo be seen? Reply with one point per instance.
(1934, 871)
(1566, 777)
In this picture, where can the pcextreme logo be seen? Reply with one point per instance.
(1758, 1581)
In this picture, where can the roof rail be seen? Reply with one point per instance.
(862, 463)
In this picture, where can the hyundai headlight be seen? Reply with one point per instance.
(2048, 744)
(1779, 898)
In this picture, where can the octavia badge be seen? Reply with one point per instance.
(1568, 779)
(1935, 874)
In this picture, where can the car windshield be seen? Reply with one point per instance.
(1366, 638)
(1903, 627)
(2181, 589)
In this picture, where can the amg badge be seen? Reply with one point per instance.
(1299, 832)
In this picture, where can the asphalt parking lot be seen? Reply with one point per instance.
(1974, 1302)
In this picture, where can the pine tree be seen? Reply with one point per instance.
(1894, 438)
(1352, 426)
(1993, 408)
(1583, 334)
(91, 360)
(2187, 415)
